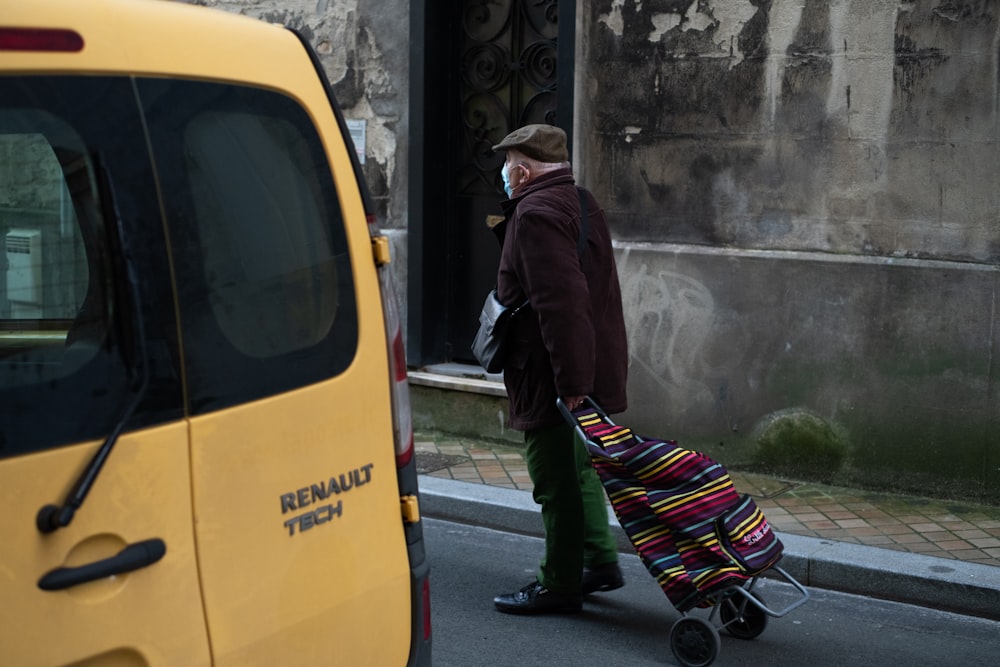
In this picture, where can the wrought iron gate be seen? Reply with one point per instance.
(508, 57)
(513, 63)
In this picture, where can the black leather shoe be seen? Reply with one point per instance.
(607, 577)
(536, 599)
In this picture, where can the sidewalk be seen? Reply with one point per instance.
(924, 551)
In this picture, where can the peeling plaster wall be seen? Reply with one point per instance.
(805, 198)
(853, 126)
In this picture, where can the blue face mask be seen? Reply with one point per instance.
(506, 180)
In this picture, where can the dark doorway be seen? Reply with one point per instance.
(479, 69)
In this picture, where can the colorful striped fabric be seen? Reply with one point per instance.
(694, 533)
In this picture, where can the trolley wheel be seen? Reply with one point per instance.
(694, 642)
(742, 618)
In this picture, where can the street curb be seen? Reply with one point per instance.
(939, 583)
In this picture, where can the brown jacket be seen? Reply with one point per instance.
(572, 340)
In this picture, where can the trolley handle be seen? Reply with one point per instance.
(588, 404)
(571, 418)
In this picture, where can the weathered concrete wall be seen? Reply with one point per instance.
(895, 355)
(853, 126)
(817, 184)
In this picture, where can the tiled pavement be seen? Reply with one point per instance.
(918, 525)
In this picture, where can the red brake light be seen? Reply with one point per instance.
(40, 39)
(399, 379)
(401, 400)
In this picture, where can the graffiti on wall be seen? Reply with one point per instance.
(676, 332)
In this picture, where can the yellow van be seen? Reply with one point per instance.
(206, 455)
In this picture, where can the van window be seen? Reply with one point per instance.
(67, 362)
(263, 274)
(45, 278)
(266, 249)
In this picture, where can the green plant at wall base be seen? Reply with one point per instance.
(798, 443)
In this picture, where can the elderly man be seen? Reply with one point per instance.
(570, 343)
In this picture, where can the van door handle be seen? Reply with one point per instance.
(132, 557)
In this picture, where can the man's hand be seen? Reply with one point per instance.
(573, 402)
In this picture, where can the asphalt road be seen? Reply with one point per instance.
(631, 626)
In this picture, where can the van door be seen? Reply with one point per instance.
(97, 558)
(298, 519)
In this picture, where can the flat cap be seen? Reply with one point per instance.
(545, 143)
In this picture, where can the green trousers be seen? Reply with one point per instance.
(574, 509)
